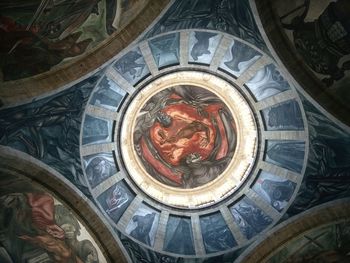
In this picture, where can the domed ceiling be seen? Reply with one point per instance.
(194, 144)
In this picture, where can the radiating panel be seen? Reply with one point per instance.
(132, 66)
(143, 225)
(179, 236)
(250, 219)
(216, 234)
(202, 46)
(99, 167)
(238, 58)
(108, 95)
(165, 49)
(115, 200)
(287, 154)
(97, 130)
(274, 189)
(267, 82)
(283, 116)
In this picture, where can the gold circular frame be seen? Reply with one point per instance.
(234, 174)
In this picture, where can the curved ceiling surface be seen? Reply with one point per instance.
(193, 144)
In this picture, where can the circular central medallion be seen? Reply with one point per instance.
(188, 139)
(184, 136)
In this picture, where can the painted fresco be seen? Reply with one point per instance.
(139, 253)
(327, 176)
(216, 234)
(283, 116)
(267, 82)
(234, 17)
(286, 154)
(143, 225)
(273, 189)
(108, 95)
(38, 35)
(132, 66)
(179, 236)
(115, 200)
(320, 33)
(325, 244)
(35, 227)
(99, 167)
(96, 130)
(238, 58)
(165, 49)
(250, 219)
(49, 129)
(185, 136)
(202, 46)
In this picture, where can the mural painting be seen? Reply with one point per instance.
(216, 234)
(327, 175)
(115, 200)
(143, 225)
(35, 227)
(320, 245)
(320, 33)
(250, 219)
(49, 129)
(275, 190)
(185, 136)
(38, 35)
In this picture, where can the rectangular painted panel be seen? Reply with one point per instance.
(115, 200)
(238, 58)
(286, 154)
(216, 234)
(202, 46)
(96, 130)
(132, 66)
(108, 95)
(267, 82)
(143, 225)
(165, 49)
(99, 167)
(250, 219)
(179, 236)
(283, 116)
(275, 190)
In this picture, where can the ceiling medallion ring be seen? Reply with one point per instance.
(188, 139)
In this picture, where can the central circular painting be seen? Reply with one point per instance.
(188, 139)
(184, 136)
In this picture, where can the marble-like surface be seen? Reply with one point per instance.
(238, 58)
(165, 49)
(202, 46)
(267, 82)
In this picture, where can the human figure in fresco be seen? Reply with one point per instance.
(184, 136)
(324, 41)
(144, 226)
(29, 230)
(84, 249)
(36, 35)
